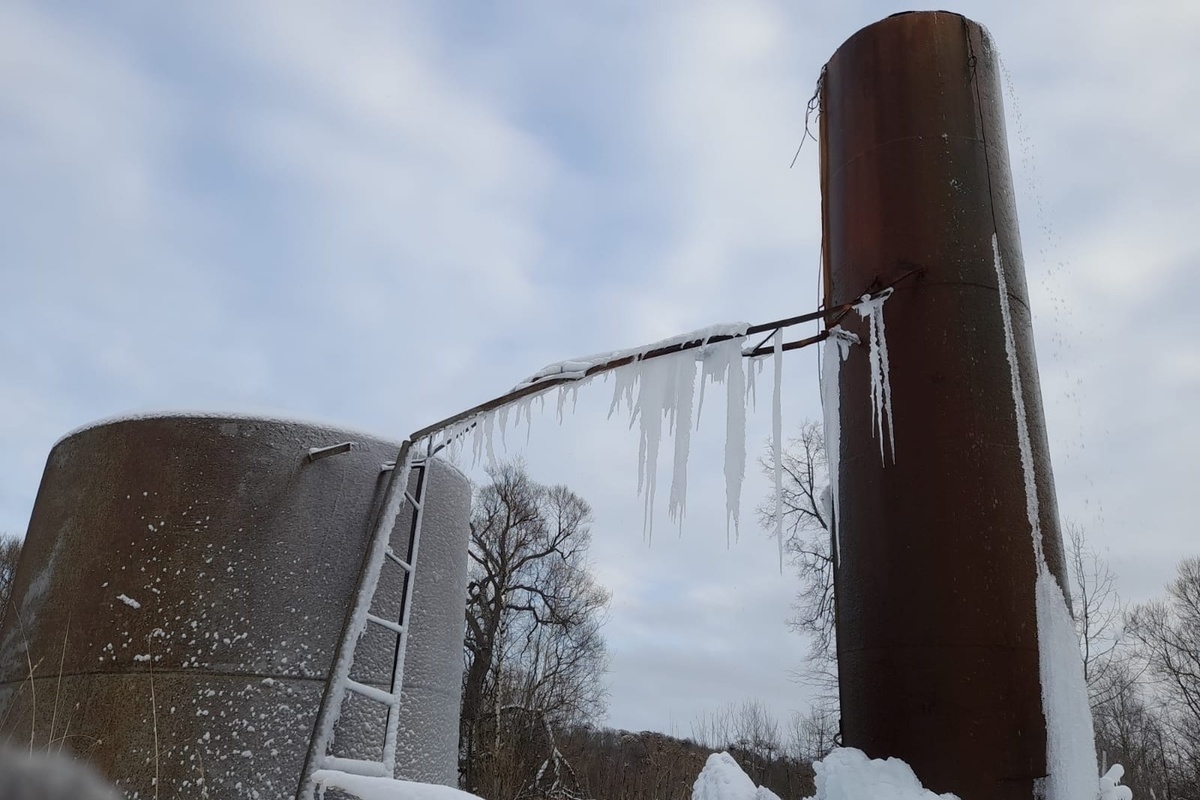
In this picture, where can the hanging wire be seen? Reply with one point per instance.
(814, 108)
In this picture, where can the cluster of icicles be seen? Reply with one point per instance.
(660, 396)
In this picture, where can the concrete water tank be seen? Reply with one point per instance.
(182, 592)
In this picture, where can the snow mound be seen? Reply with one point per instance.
(847, 774)
(366, 788)
(1110, 785)
(723, 779)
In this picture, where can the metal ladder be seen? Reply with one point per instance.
(380, 559)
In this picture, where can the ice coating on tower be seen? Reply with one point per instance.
(1070, 741)
(871, 309)
(834, 352)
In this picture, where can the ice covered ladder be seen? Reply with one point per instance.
(381, 560)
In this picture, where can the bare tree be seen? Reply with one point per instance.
(812, 735)
(1169, 634)
(1130, 731)
(1099, 620)
(534, 653)
(807, 526)
(10, 554)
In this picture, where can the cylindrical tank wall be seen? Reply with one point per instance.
(937, 622)
(182, 591)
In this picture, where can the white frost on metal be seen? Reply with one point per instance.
(575, 368)
(833, 353)
(1070, 743)
(871, 309)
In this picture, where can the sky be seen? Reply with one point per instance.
(379, 214)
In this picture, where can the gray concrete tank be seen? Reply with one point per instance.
(182, 592)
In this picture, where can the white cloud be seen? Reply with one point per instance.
(384, 214)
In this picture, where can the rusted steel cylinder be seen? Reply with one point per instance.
(937, 632)
(182, 592)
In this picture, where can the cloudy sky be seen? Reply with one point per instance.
(378, 214)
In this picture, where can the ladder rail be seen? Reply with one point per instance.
(391, 734)
(395, 497)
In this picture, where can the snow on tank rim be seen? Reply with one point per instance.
(271, 419)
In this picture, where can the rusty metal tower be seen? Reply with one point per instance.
(937, 629)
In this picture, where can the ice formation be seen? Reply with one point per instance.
(1110, 785)
(844, 774)
(129, 601)
(777, 440)
(1070, 742)
(576, 368)
(871, 309)
(834, 352)
(653, 391)
(723, 779)
(848, 774)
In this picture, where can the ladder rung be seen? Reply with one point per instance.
(356, 766)
(371, 692)
(394, 627)
(400, 562)
(412, 500)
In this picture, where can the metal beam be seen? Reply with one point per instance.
(937, 633)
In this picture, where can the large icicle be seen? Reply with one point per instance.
(871, 309)
(652, 390)
(685, 390)
(834, 352)
(1070, 743)
(777, 439)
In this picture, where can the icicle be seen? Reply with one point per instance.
(1070, 743)
(488, 421)
(650, 408)
(685, 390)
(525, 406)
(623, 382)
(751, 383)
(562, 399)
(1026, 449)
(835, 350)
(881, 384)
(735, 437)
(502, 415)
(777, 439)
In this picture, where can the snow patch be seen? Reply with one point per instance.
(723, 779)
(844, 774)
(847, 774)
(1110, 785)
(366, 788)
(129, 601)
